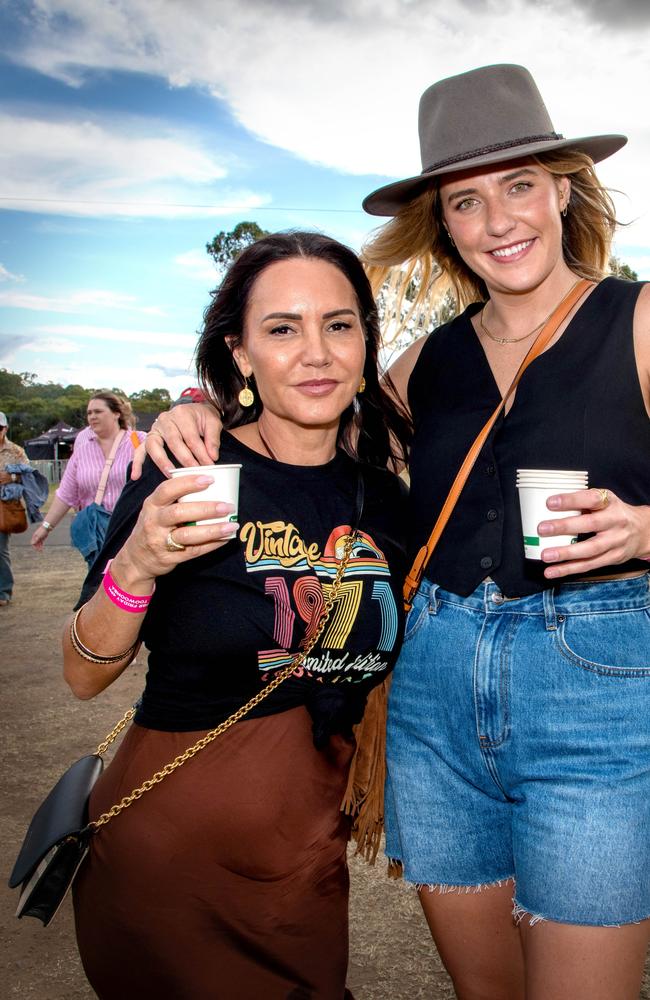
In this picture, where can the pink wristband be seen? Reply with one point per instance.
(127, 602)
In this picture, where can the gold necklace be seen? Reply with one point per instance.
(509, 340)
(517, 340)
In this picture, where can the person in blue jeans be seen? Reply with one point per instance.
(10, 453)
(518, 795)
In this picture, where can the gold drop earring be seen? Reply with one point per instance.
(246, 395)
(362, 384)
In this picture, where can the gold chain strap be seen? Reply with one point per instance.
(124, 721)
(173, 765)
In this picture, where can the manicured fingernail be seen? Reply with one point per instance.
(545, 528)
(233, 529)
(551, 574)
(550, 555)
(553, 502)
(222, 507)
(204, 480)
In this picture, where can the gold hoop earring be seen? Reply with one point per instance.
(362, 385)
(246, 396)
(450, 237)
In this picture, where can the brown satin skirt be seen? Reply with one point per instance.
(228, 880)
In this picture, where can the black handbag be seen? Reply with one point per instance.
(56, 842)
(58, 836)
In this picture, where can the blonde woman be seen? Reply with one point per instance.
(518, 797)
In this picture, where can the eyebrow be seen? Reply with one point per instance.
(523, 172)
(298, 316)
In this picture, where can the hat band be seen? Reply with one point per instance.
(483, 150)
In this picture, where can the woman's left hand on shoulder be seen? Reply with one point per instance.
(619, 532)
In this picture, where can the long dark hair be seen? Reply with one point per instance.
(375, 428)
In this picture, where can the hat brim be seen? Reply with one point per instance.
(391, 198)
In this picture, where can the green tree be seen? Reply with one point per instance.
(621, 270)
(150, 400)
(15, 383)
(225, 247)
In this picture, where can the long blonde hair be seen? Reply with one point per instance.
(413, 250)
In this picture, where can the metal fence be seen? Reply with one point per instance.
(52, 468)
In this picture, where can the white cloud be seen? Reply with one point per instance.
(124, 167)
(338, 84)
(75, 302)
(198, 265)
(129, 379)
(6, 275)
(53, 346)
(152, 338)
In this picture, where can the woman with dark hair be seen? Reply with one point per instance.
(108, 441)
(518, 752)
(229, 879)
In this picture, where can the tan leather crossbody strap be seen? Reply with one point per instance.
(544, 338)
(101, 489)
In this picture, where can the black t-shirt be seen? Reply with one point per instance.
(221, 625)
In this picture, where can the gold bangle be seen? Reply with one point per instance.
(87, 654)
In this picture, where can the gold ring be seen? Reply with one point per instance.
(604, 497)
(173, 546)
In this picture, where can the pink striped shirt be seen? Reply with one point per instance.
(80, 480)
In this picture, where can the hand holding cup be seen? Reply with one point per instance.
(535, 486)
(195, 527)
(617, 532)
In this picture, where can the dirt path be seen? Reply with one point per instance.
(45, 729)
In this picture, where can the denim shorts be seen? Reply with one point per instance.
(519, 747)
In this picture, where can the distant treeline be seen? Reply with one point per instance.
(31, 407)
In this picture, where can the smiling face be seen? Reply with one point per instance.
(304, 342)
(506, 223)
(101, 418)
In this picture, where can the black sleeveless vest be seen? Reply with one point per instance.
(578, 406)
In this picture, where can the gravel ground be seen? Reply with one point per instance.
(45, 729)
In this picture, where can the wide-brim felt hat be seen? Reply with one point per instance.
(487, 115)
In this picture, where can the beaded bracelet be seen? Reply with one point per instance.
(87, 654)
(127, 602)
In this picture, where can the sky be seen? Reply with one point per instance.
(133, 131)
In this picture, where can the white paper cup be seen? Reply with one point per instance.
(535, 486)
(225, 488)
(532, 502)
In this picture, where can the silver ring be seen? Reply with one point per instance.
(173, 546)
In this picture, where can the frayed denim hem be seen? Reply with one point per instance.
(520, 913)
(444, 890)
